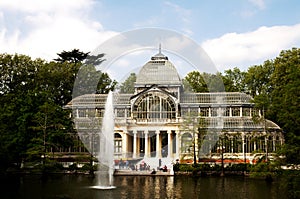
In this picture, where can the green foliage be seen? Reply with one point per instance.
(274, 85)
(90, 168)
(291, 182)
(105, 84)
(51, 167)
(285, 98)
(186, 167)
(128, 85)
(264, 167)
(234, 80)
(73, 167)
(94, 60)
(258, 79)
(73, 56)
(89, 80)
(203, 82)
(32, 96)
(212, 168)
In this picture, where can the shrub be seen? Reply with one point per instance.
(73, 167)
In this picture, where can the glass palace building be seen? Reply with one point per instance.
(160, 123)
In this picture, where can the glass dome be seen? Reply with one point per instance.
(159, 70)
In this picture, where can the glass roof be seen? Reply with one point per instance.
(242, 123)
(159, 70)
(186, 99)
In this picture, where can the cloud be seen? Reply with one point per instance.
(44, 28)
(183, 15)
(246, 49)
(34, 6)
(260, 4)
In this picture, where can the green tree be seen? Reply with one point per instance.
(285, 98)
(195, 82)
(258, 79)
(55, 81)
(18, 102)
(196, 125)
(214, 82)
(94, 60)
(89, 80)
(105, 84)
(26, 85)
(51, 128)
(73, 56)
(203, 82)
(234, 80)
(128, 85)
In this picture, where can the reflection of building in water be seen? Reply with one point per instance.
(162, 122)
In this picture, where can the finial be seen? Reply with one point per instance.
(159, 49)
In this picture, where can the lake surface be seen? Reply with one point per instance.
(78, 187)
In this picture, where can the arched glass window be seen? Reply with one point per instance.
(154, 105)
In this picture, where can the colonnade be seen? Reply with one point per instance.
(152, 143)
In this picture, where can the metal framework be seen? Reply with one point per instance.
(149, 122)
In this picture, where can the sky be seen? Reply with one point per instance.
(233, 33)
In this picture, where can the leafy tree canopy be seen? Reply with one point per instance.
(128, 85)
(73, 56)
(32, 96)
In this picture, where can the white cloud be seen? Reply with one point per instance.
(182, 12)
(50, 26)
(34, 6)
(258, 3)
(183, 15)
(246, 49)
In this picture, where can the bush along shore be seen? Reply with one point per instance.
(263, 170)
(52, 168)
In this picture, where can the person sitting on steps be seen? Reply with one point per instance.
(165, 169)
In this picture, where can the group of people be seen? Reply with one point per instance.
(143, 166)
(164, 169)
(123, 164)
(127, 165)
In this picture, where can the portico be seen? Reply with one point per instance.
(150, 143)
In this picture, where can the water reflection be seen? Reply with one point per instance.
(73, 187)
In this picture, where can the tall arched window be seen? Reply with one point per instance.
(154, 105)
(118, 143)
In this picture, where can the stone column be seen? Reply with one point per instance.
(232, 144)
(146, 144)
(169, 143)
(243, 145)
(134, 144)
(124, 145)
(158, 148)
(177, 144)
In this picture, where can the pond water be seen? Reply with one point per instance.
(78, 187)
